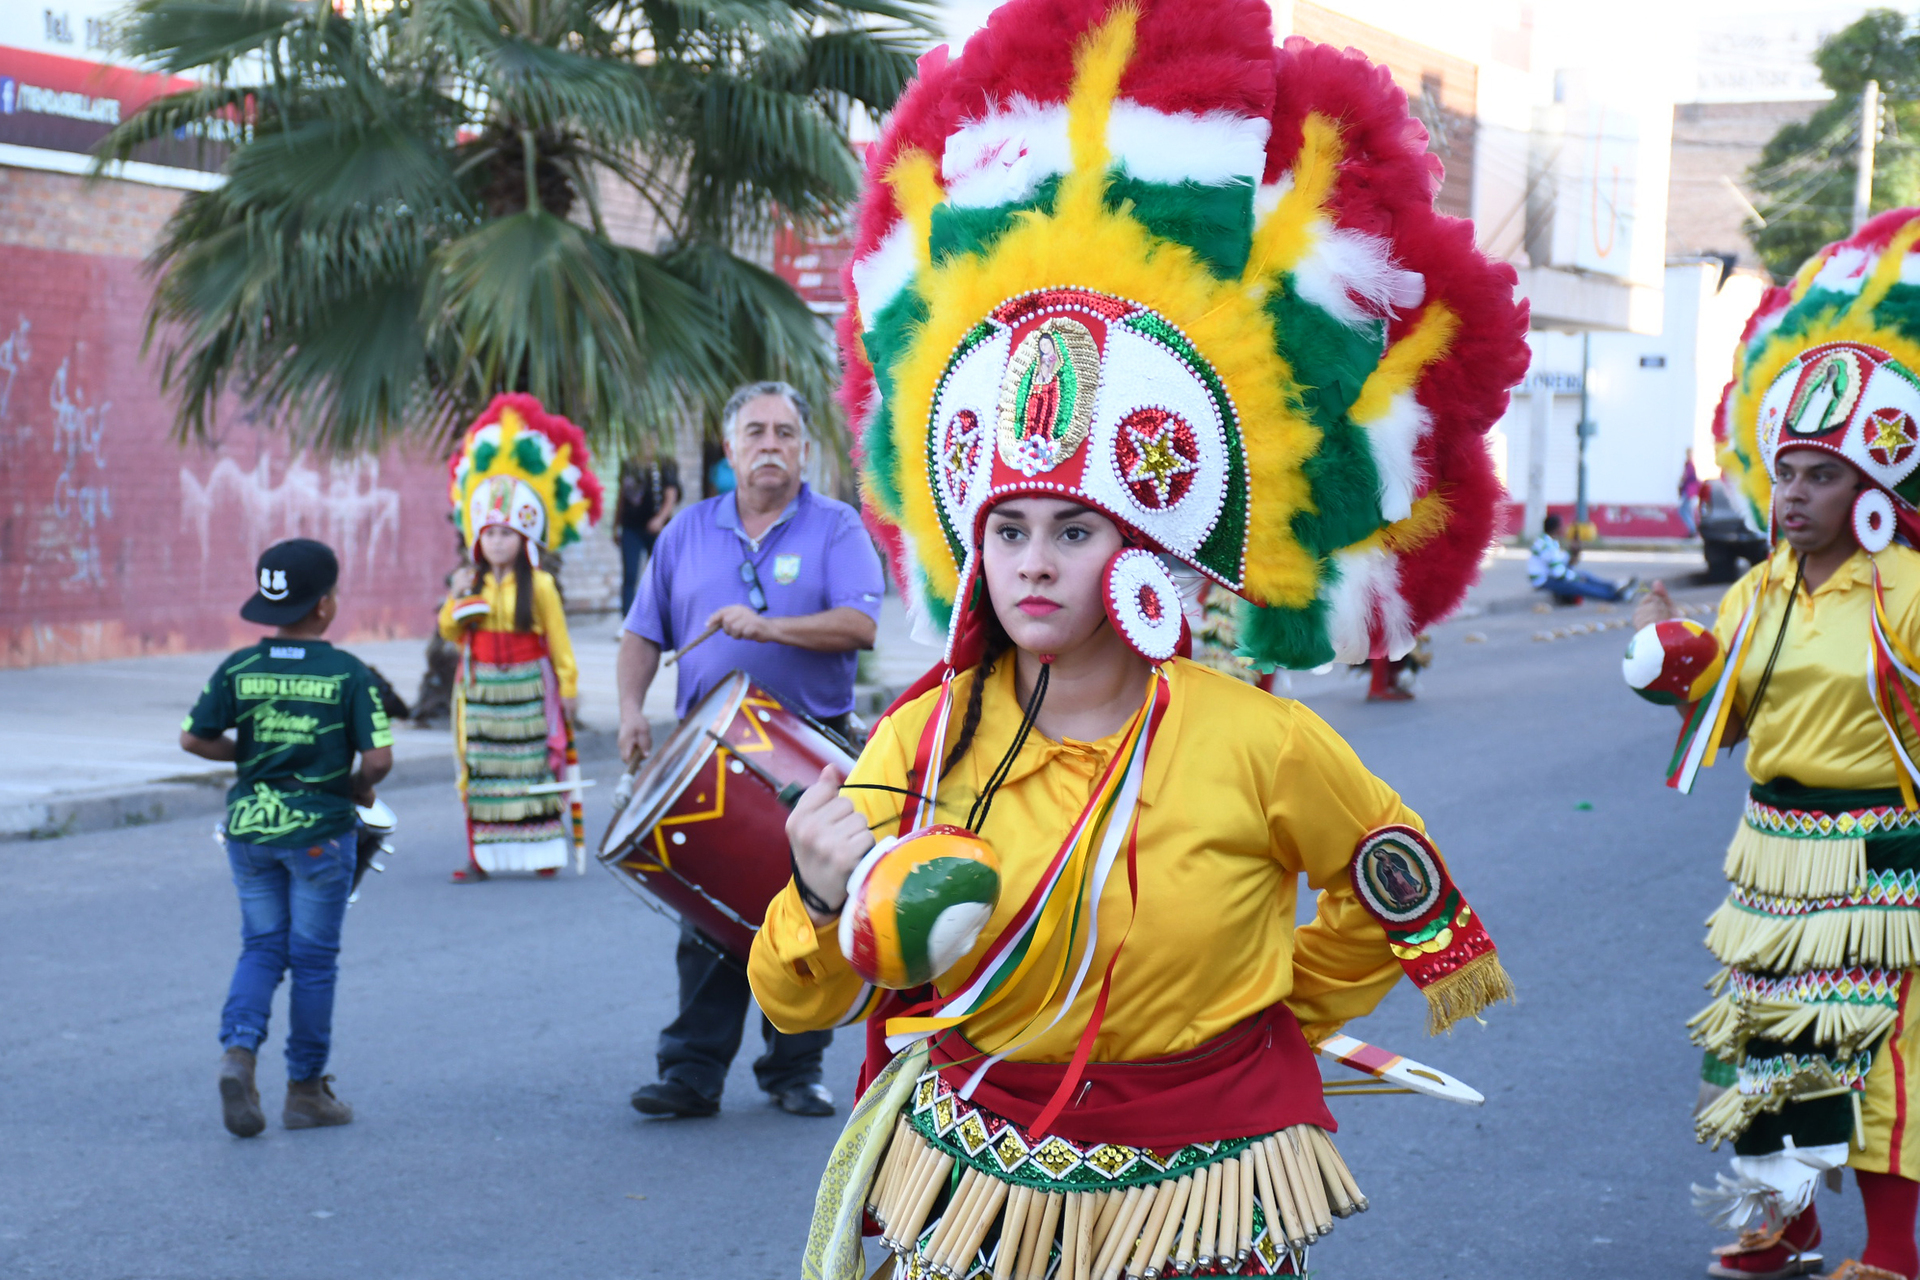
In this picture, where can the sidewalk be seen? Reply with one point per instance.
(95, 745)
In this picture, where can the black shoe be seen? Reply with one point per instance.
(805, 1100)
(671, 1098)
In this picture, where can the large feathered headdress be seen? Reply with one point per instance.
(1829, 362)
(1134, 254)
(525, 468)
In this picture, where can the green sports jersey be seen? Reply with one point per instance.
(302, 708)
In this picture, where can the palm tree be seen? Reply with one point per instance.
(415, 211)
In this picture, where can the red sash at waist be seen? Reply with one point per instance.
(503, 648)
(1256, 1077)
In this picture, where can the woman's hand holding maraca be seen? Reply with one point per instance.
(829, 837)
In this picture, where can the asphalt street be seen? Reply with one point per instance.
(489, 1035)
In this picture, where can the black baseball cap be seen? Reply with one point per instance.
(292, 576)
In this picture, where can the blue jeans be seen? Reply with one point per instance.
(1577, 584)
(635, 546)
(292, 902)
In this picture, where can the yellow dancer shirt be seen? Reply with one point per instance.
(1243, 793)
(549, 620)
(1817, 724)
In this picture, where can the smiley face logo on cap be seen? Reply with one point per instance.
(273, 583)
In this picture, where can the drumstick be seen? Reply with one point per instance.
(689, 647)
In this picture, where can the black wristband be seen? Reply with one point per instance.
(813, 900)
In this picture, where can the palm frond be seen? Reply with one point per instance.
(186, 35)
(538, 85)
(212, 113)
(329, 169)
(534, 303)
(869, 67)
(769, 330)
(370, 268)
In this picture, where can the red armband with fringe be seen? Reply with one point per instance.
(1403, 883)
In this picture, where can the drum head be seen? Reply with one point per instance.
(670, 769)
(376, 816)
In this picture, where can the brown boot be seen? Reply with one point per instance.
(311, 1105)
(239, 1100)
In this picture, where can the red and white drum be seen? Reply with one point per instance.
(704, 834)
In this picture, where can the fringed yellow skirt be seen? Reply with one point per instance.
(960, 1193)
(1808, 1038)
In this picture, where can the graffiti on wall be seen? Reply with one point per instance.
(63, 550)
(116, 540)
(15, 351)
(342, 503)
(81, 496)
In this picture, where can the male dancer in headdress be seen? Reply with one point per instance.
(1810, 1045)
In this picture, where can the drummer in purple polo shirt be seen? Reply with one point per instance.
(789, 585)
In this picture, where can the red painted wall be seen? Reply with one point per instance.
(1610, 519)
(115, 541)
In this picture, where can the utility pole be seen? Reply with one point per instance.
(1869, 134)
(1539, 427)
(1582, 529)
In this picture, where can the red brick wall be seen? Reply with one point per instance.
(113, 539)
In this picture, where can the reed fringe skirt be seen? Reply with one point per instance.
(507, 718)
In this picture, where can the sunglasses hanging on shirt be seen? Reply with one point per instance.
(756, 595)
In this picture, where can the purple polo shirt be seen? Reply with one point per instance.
(815, 557)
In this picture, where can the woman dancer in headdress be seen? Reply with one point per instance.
(1141, 298)
(521, 483)
(1810, 1043)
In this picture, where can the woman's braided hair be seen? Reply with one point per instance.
(998, 645)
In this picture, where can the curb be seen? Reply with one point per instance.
(75, 813)
(78, 812)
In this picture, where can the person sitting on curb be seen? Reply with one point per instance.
(302, 709)
(1550, 567)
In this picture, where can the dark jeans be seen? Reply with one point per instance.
(635, 546)
(292, 902)
(698, 1046)
(1577, 585)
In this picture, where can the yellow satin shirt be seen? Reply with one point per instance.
(1817, 724)
(1243, 794)
(549, 620)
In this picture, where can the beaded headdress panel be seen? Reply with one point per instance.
(1134, 255)
(1829, 362)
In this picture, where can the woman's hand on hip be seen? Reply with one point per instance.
(829, 837)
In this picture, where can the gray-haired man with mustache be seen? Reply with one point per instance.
(792, 584)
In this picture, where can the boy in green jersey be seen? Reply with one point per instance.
(301, 710)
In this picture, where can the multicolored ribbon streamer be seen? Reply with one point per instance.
(923, 780)
(1700, 738)
(1082, 863)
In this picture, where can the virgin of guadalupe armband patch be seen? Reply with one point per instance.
(1403, 883)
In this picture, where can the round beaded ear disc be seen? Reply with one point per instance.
(1143, 603)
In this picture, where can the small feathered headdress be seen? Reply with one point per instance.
(1829, 362)
(525, 468)
(1133, 254)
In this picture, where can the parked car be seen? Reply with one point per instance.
(1727, 534)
